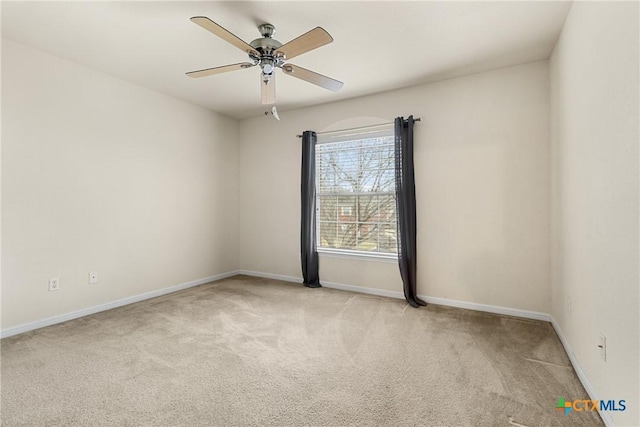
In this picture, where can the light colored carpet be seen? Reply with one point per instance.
(249, 351)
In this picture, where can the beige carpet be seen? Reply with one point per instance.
(248, 351)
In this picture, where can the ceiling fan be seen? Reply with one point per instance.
(270, 54)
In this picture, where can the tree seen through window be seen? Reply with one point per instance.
(355, 183)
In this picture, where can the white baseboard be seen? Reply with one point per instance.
(14, 330)
(271, 276)
(399, 295)
(606, 417)
(496, 309)
(371, 291)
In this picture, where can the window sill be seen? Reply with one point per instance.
(361, 256)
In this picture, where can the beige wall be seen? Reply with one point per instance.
(595, 196)
(482, 171)
(103, 175)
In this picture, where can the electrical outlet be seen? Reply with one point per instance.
(603, 347)
(54, 284)
(93, 277)
(569, 308)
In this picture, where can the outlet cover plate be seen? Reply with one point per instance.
(93, 277)
(54, 284)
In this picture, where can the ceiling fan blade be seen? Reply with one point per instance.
(224, 34)
(308, 41)
(268, 90)
(311, 77)
(218, 70)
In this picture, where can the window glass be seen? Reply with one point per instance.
(355, 182)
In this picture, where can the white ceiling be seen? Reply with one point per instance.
(377, 46)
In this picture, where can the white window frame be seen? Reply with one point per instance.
(386, 130)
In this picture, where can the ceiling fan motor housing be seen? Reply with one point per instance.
(266, 47)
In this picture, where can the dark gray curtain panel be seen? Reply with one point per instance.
(308, 249)
(406, 208)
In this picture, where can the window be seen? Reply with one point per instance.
(355, 187)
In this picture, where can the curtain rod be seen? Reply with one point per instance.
(417, 119)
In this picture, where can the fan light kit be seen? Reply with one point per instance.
(269, 54)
